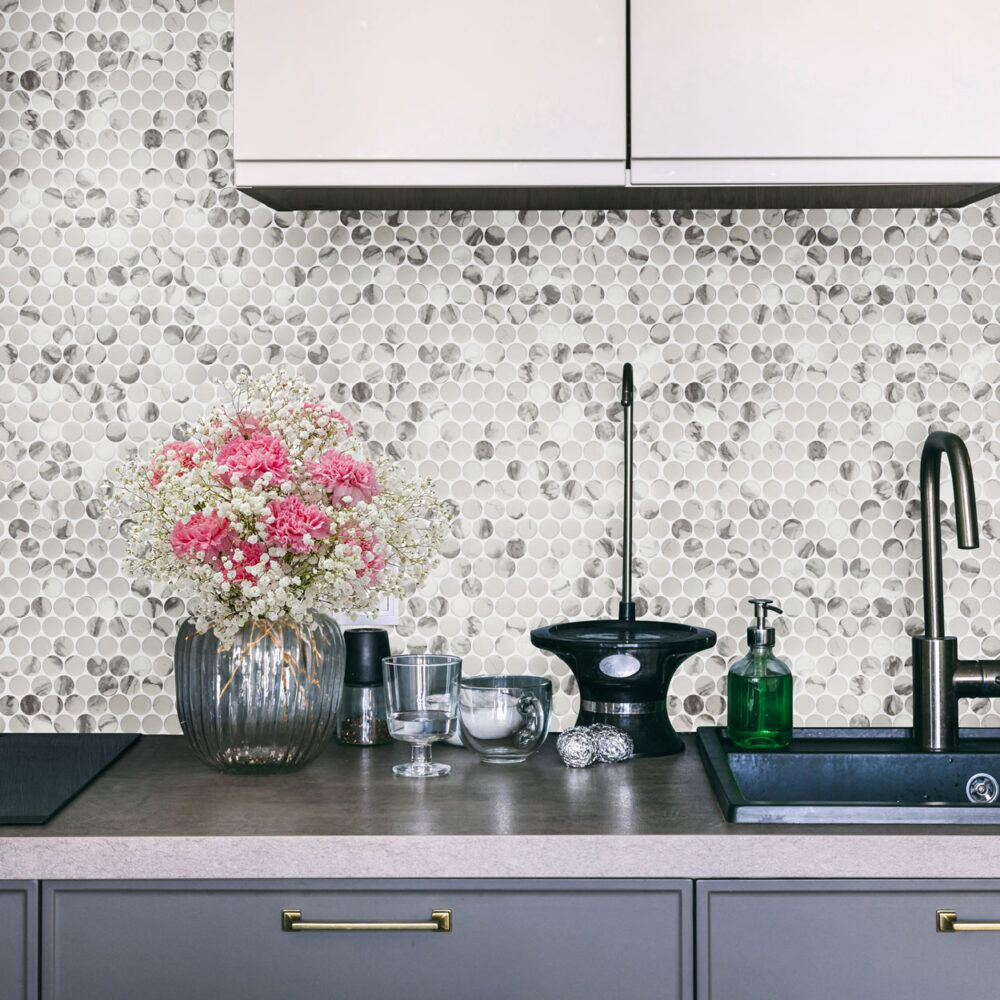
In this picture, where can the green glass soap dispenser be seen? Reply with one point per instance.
(760, 689)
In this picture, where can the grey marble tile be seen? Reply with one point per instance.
(789, 363)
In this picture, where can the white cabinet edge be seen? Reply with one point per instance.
(807, 171)
(429, 173)
(600, 173)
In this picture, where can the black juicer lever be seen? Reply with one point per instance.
(626, 606)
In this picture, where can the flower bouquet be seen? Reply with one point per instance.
(268, 519)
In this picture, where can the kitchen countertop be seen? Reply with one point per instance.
(159, 813)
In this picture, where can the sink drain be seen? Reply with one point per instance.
(982, 788)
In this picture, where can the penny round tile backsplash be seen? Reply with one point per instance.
(788, 364)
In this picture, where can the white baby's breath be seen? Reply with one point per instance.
(402, 525)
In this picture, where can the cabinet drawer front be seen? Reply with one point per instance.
(868, 940)
(583, 939)
(18, 940)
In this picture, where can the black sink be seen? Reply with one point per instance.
(855, 776)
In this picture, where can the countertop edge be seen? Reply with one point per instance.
(771, 855)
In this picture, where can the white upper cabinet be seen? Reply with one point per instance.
(523, 103)
(791, 92)
(341, 93)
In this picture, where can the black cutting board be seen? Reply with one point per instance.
(41, 772)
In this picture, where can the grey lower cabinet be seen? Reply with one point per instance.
(831, 939)
(671, 939)
(18, 940)
(509, 939)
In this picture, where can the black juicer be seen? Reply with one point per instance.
(623, 667)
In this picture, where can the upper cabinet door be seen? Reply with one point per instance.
(440, 92)
(791, 92)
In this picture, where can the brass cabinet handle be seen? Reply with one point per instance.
(291, 920)
(947, 921)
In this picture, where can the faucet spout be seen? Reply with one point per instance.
(947, 443)
(939, 677)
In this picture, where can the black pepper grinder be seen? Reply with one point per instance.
(361, 716)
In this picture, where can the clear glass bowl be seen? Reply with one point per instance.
(505, 718)
(269, 702)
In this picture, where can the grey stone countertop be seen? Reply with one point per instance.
(158, 812)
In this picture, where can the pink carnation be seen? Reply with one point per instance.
(180, 451)
(296, 524)
(247, 459)
(374, 562)
(345, 478)
(319, 408)
(201, 534)
(252, 554)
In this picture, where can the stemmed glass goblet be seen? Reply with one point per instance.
(421, 692)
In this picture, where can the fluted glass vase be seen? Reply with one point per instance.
(267, 703)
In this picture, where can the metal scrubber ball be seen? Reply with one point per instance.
(582, 746)
(577, 747)
(613, 744)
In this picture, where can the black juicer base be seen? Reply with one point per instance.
(652, 734)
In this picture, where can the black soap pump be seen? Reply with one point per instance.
(760, 689)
